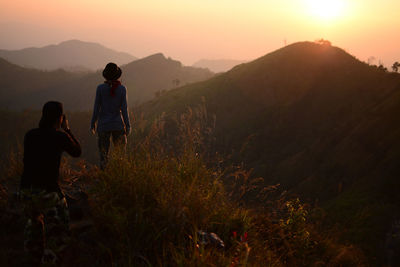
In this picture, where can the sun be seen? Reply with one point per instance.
(326, 9)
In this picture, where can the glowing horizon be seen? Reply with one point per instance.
(189, 30)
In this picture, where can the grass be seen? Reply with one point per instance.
(153, 202)
(149, 204)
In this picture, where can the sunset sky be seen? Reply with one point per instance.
(189, 30)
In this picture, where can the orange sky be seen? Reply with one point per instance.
(189, 30)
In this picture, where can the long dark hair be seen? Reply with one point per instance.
(51, 112)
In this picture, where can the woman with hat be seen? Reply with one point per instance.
(110, 112)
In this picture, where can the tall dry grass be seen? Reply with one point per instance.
(150, 202)
(148, 205)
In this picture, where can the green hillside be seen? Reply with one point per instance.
(316, 120)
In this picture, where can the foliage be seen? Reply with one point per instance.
(320, 128)
(149, 205)
(395, 66)
(151, 201)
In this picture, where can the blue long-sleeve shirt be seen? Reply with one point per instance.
(111, 112)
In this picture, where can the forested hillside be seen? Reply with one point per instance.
(315, 120)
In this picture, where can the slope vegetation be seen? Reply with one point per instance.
(319, 122)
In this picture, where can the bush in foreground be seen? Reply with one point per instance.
(149, 204)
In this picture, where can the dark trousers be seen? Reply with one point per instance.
(118, 139)
(47, 228)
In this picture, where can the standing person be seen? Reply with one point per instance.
(47, 228)
(110, 112)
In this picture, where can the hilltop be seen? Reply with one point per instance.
(316, 120)
(72, 55)
(156, 74)
(30, 88)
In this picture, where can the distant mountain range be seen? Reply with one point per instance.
(218, 65)
(145, 78)
(73, 55)
(319, 122)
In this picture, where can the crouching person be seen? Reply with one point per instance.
(47, 227)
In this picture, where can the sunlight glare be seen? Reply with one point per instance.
(326, 9)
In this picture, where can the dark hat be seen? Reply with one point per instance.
(111, 72)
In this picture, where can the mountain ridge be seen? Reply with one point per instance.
(144, 78)
(68, 54)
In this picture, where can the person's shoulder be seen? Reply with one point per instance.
(123, 88)
(39, 133)
(101, 86)
(32, 132)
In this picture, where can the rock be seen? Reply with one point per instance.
(212, 239)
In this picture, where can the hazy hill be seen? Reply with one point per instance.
(29, 88)
(73, 55)
(156, 73)
(23, 87)
(319, 122)
(218, 65)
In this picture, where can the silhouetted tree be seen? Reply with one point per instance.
(382, 68)
(396, 66)
(323, 42)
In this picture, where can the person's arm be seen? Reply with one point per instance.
(25, 179)
(124, 110)
(96, 110)
(70, 143)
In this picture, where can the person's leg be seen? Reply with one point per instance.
(34, 233)
(119, 140)
(34, 238)
(104, 146)
(57, 224)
